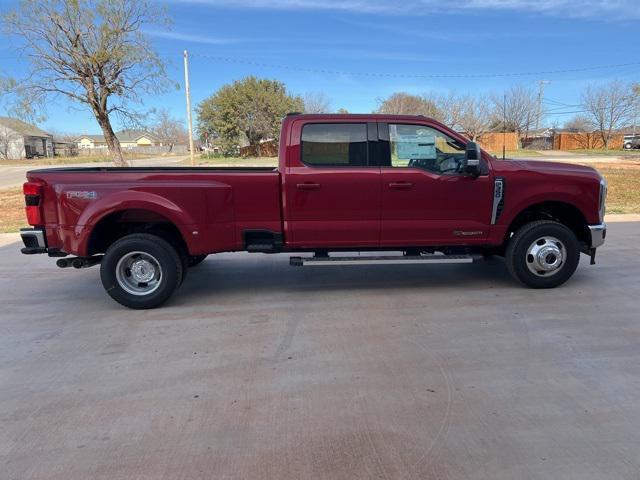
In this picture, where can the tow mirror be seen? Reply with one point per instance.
(472, 158)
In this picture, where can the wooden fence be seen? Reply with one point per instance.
(265, 149)
(493, 141)
(584, 141)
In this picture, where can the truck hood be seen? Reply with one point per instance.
(551, 168)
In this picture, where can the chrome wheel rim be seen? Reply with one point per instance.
(138, 273)
(545, 256)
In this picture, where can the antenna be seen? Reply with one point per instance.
(504, 125)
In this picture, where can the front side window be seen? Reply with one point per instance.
(423, 147)
(334, 144)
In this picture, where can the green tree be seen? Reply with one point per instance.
(251, 108)
(402, 103)
(93, 52)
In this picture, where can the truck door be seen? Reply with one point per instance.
(332, 185)
(426, 200)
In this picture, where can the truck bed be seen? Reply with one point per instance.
(219, 204)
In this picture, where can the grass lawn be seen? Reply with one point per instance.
(12, 215)
(623, 178)
(624, 186)
(612, 153)
(517, 154)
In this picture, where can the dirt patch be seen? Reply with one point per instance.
(12, 215)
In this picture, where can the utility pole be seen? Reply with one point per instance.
(188, 93)
(541, 83)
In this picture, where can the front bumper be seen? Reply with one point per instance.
(34, 239)
(598, 234)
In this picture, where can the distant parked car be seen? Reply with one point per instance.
(631, 141)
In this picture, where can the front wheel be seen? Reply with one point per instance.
(141, 271)
(543, 254)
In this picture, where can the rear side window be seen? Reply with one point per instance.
(334, 144)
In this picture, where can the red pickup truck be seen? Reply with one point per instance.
(360, 183)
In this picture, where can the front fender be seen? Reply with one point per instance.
(513, 210)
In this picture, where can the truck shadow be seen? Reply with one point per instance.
(226, 274)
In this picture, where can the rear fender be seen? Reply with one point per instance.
(134, 200)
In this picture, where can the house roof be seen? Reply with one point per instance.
(93, 138)
(22, 128)
(123, 136)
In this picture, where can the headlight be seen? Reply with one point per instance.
(603, 199)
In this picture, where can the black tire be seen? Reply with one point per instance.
(184, 259)
(534, 236)
(194, 260)
(133, 250)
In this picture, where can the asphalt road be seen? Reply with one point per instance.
(258, 370)
(15, 175)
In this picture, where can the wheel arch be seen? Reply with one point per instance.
(558, 211)
(115, 225)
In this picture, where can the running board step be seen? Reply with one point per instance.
(261, 248)
(380, 260)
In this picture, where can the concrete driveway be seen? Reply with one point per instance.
(11, 176)
(258, 370)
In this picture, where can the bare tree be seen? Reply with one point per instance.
(474, 116)
(19, 103)
(170, 131)
(608, 107)
(515, 111)
(449, 108)
(6, 86)
(8, 139)
(63, 136)
(316, 102)
(91, 51)
(579, 123)
(402, 103)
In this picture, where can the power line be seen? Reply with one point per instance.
(246, 61)
(560, 104)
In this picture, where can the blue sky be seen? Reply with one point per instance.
(407, 41)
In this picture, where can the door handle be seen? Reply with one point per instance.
(308, 186)
(400, 185)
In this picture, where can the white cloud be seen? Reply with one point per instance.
(190, 37)
(600, 9)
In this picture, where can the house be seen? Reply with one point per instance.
(19, 139)
(128, 139)
(64, 149)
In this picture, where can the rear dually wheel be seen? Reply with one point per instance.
(141, 271)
